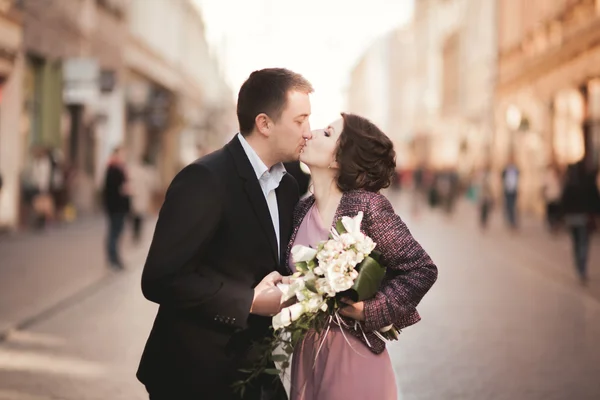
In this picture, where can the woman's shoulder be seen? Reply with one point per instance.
(365, 199)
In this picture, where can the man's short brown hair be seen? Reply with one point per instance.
(265, 91)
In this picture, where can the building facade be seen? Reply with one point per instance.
(80, 77)
(548, 91)
(176, 98)
(11, 75)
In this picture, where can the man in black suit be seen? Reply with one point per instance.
(218, 249)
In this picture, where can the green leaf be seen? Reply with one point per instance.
(339, 227)
(279, 357)
(369, 279)
(246, 371)
(272, 371)
(301, 266)
(310, 285)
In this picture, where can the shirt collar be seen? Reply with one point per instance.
(260, 169)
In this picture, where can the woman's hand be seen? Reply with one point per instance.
(353, 310)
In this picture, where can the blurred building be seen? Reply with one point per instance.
(73, 84)
(11, 76)
(455, 71)
(176, 97)
(82, 76)
(376, 90)
(439, 73)
(548, 92)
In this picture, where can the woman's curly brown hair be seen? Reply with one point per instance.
(365, 156)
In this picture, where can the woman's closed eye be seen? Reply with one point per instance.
(326, 133)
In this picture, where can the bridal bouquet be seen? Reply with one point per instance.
(345, 266)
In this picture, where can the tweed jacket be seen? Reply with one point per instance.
(410, 270)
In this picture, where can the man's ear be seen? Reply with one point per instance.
(263, 124)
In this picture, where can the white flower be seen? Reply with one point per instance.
(335, 267)
(350, 259)
(288, 315)
(340, 282)
(365, 246)
(352, 225)
(303, 253)
(334, 246)
(347, 240)
(323, 286)
(286, 293)
(314, 304)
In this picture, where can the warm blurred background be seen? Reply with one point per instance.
(490, 104)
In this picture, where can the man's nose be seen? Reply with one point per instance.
(307, 135)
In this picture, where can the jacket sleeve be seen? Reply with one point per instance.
(410, 270)
(187, 222)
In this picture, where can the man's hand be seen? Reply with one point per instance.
(353, 310)
(267, 296)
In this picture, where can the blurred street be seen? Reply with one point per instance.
(506, 320)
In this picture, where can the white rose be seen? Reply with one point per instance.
(340, 282)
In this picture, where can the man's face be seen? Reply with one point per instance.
(290, 132)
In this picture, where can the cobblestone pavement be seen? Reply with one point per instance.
(505, 320)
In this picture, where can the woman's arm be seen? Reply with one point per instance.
(410, 270)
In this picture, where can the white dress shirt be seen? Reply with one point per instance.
(269, 180)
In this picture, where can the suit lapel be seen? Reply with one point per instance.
(254, 192)
(286, 209)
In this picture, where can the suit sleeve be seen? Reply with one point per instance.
(410, 270)
(186, 225)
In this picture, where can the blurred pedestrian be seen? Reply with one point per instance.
(143, 182)
(116, 204)
(40, 182)
(510, 185)
(486, 197)
(552, 192)
(581, 205)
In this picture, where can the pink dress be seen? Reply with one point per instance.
(344, 368)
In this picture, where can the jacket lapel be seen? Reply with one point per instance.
(286, 209)
(254, 192)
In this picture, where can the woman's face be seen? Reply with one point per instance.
(319, 152)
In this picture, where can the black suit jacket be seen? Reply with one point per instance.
(214, 242)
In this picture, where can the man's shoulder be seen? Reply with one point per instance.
(217, 162)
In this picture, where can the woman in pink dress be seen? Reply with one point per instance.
(351, 161)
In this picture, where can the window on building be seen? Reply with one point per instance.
(568, 126)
